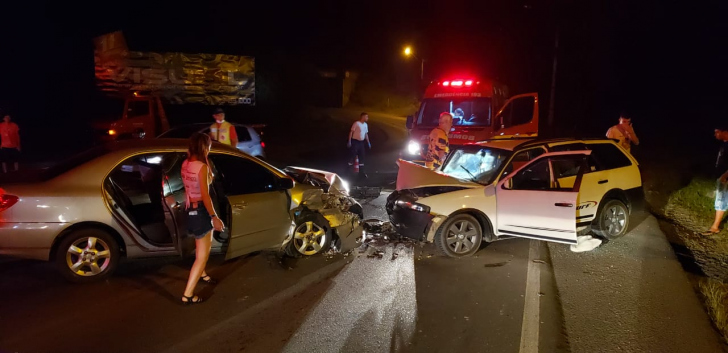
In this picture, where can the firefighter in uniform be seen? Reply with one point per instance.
(439, 145)
(222, 131)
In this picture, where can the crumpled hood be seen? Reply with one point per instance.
(328, 181)
(411, 176)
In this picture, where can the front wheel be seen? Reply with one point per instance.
(459, 236)
(612, 221)
(311, 236)
(87, 255)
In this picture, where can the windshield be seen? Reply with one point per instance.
(465, 111)
(475, 163)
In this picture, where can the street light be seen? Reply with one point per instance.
(408, 52)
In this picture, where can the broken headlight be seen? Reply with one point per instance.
(413, 206)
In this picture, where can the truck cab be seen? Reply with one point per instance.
(480, 111)
(143, 117)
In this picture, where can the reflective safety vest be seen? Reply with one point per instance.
(221, 133)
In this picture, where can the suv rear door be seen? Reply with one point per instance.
(532, 204)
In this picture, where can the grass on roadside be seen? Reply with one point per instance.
(715, 296)
(692, 209)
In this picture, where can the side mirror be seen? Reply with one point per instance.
(410, 121)
(284, 183)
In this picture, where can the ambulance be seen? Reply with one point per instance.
(481, 111)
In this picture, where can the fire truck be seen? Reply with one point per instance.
(480, 108)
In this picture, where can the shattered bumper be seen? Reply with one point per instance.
(407, 222)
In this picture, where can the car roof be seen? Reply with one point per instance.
(513, 144)
(161, 143)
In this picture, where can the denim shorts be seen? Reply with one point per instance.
(199, 222)
(721, 197)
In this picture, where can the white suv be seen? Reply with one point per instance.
(542, 189)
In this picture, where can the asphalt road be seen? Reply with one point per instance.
(513, 296)
(409, 302)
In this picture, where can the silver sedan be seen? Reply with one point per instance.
(126, 199)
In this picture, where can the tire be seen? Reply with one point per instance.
(314, 231)
(451, 236)
(612, 221)
(86, 272)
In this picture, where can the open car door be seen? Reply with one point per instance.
(532, 204)
(518, 117)
(259, 202)
(175, 202)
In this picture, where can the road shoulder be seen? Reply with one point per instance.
(631, 295)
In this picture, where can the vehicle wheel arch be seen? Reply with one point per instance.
(485, 223)
(87, 225)
(615, 194)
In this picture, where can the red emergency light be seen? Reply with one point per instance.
(458, 83)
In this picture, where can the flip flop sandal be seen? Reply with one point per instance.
(191, 300)
(208, 279)
(708, 233)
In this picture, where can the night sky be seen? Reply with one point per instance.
(662, 62)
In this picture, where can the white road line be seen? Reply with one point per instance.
(531, 307)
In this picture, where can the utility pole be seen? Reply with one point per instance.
(553, 81)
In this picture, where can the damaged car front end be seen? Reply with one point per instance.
(325, 215)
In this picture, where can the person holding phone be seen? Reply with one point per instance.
(624, 133)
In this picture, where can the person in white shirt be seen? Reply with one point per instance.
(624, 133)
(358, 136)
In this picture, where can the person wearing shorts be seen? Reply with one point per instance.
(201, 216)
(721, 190)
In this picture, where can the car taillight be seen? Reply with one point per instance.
(7, 201)
(262, 144)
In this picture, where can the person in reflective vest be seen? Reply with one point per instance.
(439, 144)
(222, 131)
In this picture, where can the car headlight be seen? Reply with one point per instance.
(413, 206)
(413, 147)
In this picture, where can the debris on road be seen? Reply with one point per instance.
(539, 261)
(585, 243)
(365, 192)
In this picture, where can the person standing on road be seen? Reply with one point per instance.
(439, 144)
(721, 172)
(624, 132)
(201, 216)
(358, 134)
(222, 131)
(9, 143)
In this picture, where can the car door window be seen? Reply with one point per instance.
(240, 176)
(593, 164)
(518, 111)
(609, 156)
(243, 133)
(521, 158)
(545, 174)
(137, 108)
